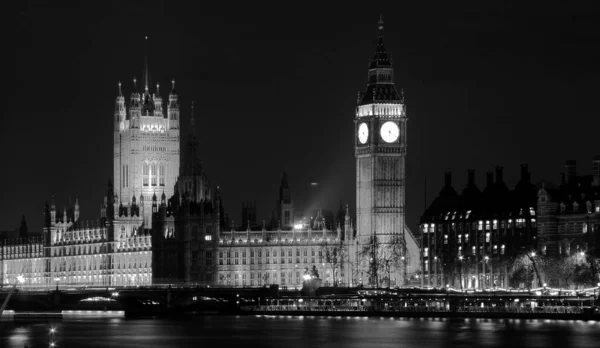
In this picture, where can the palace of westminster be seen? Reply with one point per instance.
(163, 223)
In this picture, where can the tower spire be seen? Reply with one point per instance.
(380, 75)
(120, 91)
(146, 74)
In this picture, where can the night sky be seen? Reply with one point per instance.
(275, 90)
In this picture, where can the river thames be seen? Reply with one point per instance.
(278, 331)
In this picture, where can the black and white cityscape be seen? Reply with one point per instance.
(327, 175)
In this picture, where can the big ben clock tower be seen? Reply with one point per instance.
(380, 150)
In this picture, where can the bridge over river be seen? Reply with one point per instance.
(155, 300)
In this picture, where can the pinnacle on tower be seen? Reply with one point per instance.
(380, 87)
(120, 91)
(146, 73)
(380, 59)
(173, 90)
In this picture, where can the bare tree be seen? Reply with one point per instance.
(397, 255)
(333, 254)
(379, 262)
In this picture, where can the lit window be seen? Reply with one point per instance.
(460, 250)
(426, 252)
(432, 228)
(445, 239)
(487, 237)
(533, 223)
(459, 238)
(473, 250)
(153, 175)
(585, 227)
(495, 225)
(502, 249)
(146, 175)
(208, 237)
(480, 226)
(426, 265)
(597, 209)
(487, 225)
(466, 238)
(531, 211)
(161, 175)
(468, 213)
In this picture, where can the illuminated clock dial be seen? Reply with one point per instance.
(363, 133)
(390, 132)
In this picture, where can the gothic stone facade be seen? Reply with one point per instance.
(380, 150)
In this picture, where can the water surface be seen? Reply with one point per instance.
(287, 332)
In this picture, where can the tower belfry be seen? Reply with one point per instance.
(380, 152)
(146, 144)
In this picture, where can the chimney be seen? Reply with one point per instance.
(499, 174)
(570, 171)
(471, 177)
(524, 173)
(596, 170)
(490, 179)
(448, 179)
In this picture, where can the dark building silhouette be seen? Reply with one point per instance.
(467, 239)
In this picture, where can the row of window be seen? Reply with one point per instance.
(473, 250)
(269, 252)
(154, 148)
(480, 225)
(153, 174)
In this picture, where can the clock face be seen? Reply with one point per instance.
(390, 132)
(363, 133)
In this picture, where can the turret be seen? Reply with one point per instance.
(135, 106)
(120, 111)
(163, 199)
(157, 102)
(154, 203)
(52, 211)
(23, 228)
(76, 210)
(141, 205)
(173, 107)
(347, 225)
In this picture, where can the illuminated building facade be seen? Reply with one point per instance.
(472, 239)
(257, 257)
(569, 219)
(469, 240)
(140, 239)
(380, 151)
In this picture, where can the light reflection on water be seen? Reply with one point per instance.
(306, 331)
